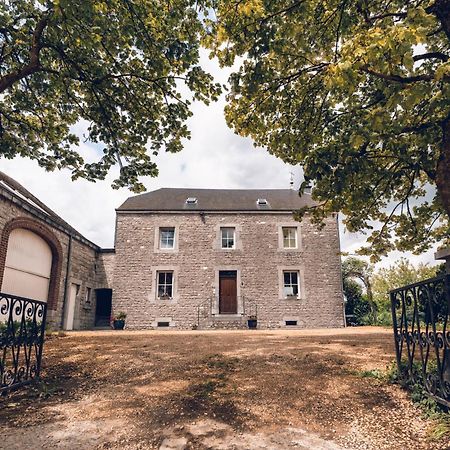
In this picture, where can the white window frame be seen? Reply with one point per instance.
(163, 230)
(172, 284)
(157, 241)
(291, 284)
(227, 238)
(300, 281)
(289, 237)
(281, 227)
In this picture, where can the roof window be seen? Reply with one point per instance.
(191, 201)
(262, 202)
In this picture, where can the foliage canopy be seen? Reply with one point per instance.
(118, 65)
(358, 93)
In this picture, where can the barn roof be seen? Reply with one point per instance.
(27, 200)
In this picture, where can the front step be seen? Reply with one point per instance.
(226, 322)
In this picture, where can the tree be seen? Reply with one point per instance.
(399, 274)
(357, 307)
(354, 268)
(118, 66)
(357, 92)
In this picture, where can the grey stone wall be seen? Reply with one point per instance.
(83, 268)
(198, 258)
(105, 268)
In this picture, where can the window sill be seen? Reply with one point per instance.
(292, 299)
(166, 301)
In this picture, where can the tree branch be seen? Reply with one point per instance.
(431, 55)
(398, 15)
(398, 78)
(34, 64)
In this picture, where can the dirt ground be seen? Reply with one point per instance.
(215, 390)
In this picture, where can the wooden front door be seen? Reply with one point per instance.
(228, 292)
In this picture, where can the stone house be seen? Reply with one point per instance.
(183, 258)
(187, 258)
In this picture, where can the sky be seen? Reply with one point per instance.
(214, 157)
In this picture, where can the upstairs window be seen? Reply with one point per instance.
(290, 287)
(167, 238)
(165, 285)
(289, 237)
(227, 237)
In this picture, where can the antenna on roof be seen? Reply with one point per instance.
(291, 182)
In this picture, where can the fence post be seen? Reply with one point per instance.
(395, 327)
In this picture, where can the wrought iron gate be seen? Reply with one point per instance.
(420, 314)
(22, 328)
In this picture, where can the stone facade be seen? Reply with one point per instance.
(197, 258)
(82, 264)
(258, 262)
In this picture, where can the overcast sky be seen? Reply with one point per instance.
(214, 158)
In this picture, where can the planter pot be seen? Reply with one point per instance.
(252, 324)
(119, 324)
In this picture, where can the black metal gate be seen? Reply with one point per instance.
(420, 314)
(22, 328)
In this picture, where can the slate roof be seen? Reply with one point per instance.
(16, 190)
(244, 200)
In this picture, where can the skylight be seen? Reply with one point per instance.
(191, 200)
(261, 202)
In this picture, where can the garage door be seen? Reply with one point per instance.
(28, 265)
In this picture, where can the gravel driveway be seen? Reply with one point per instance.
(217, 390)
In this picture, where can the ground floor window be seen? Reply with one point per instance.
(165, 285)
(290, 287)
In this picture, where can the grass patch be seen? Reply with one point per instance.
(429, 407)
(377, 374)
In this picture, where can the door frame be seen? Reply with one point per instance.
(98, 301)
(217, 270)
(70, 309)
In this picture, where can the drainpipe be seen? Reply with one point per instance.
(66, 282)
(340, 271)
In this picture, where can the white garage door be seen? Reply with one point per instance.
(28, 265)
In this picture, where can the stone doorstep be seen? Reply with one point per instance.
(228, 317)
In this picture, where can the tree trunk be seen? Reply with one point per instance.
(443, 168)
(441, 10)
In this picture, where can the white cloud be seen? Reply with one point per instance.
(214, 158)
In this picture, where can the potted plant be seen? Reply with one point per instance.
(119, 321)
(252, 322)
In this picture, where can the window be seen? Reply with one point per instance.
(167, 238)
(290, 287)
(227, 237)
(88, 295)
(191, 201)
(290, 323)
(261, 202)
(165, 285)
(289, 237)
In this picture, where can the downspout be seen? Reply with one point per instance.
(340, 270)
(66, 282)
